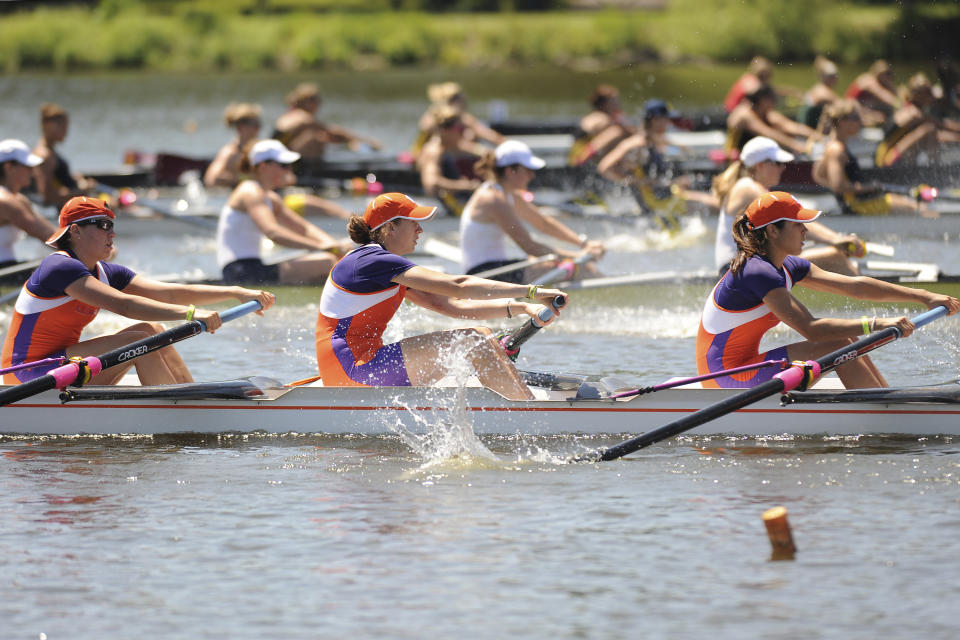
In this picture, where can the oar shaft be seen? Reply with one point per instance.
(68, 373)
(783, 381)
(687, 422)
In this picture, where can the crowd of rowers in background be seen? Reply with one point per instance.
(455, 152)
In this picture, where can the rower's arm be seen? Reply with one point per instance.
(221, 173)
(831, 171)
(866, 288)
(795, 315)
(21, 215)
(612, 166)
(545, 224)
(508, 219)
(280, 225)
(472, 309)
(469, 287)
(752, 122)
(185, 294)
(789, 126)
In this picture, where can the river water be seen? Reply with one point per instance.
(303, 536)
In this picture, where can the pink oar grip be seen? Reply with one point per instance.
(67, 374)
(793, 377)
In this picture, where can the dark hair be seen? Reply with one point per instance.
(750, 242)
(603, 94)
(361, 233)
(761, 92)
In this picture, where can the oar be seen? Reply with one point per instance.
(31, 365)
(783, 364)
(20, 267)
(441, 249)
(796, 376)
(515, 266)
(73, 371)
(128, 197)
(511, 342)
(653, 277)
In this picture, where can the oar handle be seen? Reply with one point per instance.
(512, 341)
(240, 310)
(928, 316)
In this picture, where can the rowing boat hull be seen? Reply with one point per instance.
(381, 411)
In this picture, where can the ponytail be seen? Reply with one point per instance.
(723, 183)
(361, 233)
(750, 242)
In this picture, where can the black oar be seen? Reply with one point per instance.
(511, 342)
(797, 375)
(73, 371)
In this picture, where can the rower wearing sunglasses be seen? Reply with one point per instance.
(758, 169)
(69, 288)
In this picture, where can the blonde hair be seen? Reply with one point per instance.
(443, 92)
(760, 66)
(723, 183)
(303, 92)
(880, 66)
(237, 111)
(835, 112)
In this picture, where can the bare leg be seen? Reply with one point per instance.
(164, 366)
(859, 373)
(424, 357)
(312, 268)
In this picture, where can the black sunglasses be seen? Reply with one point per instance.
(103, 224)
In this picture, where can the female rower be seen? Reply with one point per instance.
(447, 159)
(757, 116)
(759, 168)
(299, 129)
(17, 215)
(916, 133)
(255, 211)
(755, 295)
(876, 91)
(497, 210)
(822, 93)
(839, 171)
(641, 161)
(55, 183)
(367, 287)
(602, 129)
(451, 94)
(226, 168)
(69, 288)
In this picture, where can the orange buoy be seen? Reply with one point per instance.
(778, 530)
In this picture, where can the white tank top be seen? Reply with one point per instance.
(238, 237)
(725, 247)
(9, 236)
(482, 242)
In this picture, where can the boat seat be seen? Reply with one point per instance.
(602, 388)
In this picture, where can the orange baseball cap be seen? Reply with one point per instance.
(776, 206)
(78, 209)
(389, 206)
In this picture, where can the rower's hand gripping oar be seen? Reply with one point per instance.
(511, 342)
(799, 376)
(78, 372)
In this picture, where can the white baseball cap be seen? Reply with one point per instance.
(761, 149)
(18, 151)
(274, 150)
(514, 152)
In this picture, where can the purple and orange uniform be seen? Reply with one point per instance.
(358, 300)
(734, 320)
(46, 320)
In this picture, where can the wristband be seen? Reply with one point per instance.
(865, 323)
(190, 311)
(532, 291)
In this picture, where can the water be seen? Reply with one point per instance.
(301, 536)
